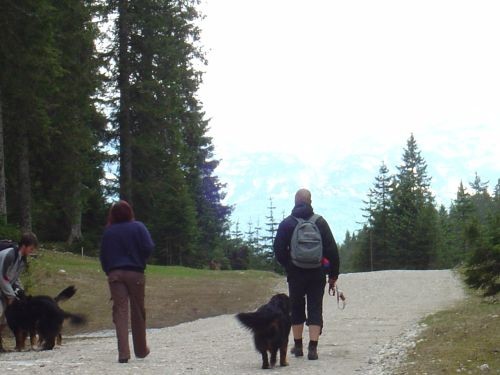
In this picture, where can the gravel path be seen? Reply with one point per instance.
(368, 337)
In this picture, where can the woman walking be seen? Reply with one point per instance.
(126, 246)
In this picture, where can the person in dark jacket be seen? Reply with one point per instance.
(306, 282)
(126, 246)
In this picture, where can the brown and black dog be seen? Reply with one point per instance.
(271, 326)
(40, 315)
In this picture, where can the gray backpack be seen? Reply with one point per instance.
(306, 246)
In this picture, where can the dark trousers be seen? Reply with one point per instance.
(125, 287)
(310, 285)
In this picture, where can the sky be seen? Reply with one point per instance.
(318, 93)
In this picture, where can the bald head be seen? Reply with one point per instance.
(303, 196)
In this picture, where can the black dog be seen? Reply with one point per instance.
(40, 315)
(271, 326)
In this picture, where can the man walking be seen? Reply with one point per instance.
(302, 242)
(12, 263)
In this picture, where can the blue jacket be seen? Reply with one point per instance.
(126, 246)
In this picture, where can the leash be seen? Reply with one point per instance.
(332, 291)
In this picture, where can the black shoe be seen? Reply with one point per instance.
(312, 353)
(297, 351)
(144, 355)
(123, 360)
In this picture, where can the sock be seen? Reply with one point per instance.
(298, 343)
(313, 344)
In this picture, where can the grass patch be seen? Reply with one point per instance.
(173, 294)
(459, 340)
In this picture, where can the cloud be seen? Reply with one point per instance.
(321, 105)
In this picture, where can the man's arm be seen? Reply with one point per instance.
(17, 284)
(281, 245)
(330, 249)
(7, 258)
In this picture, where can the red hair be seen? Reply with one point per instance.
(120, 212)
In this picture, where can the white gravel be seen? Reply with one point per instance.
(369, 337)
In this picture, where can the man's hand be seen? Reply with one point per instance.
(10, 300)
(331, 285)
(332, 281)
(19, 293)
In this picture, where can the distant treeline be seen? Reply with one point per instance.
(404, 229)
(98, 101)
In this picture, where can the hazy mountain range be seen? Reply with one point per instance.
(338, 187)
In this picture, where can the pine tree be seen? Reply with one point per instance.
(78, 127)
(378, 222)
(271, 227)
(207, 191)
(250, 233)
(496, 193)
(461, 214)
(413, 215)
(257, 236)
(483, 266)
(446, 255)
(346, 252)
(166, 155)
(28, 68)
(237, 234)
(3, 195)
(496, 197)
(123, 83)
(480, 198)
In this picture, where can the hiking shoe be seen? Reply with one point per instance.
(144, 355)
(312, 353)
(297, 351)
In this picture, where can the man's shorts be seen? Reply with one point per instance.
(306, 285)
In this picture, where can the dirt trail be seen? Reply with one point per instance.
(368, 337)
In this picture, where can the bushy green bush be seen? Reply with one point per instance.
(483, 267)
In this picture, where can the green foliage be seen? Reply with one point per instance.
(49, 79)
(405, 230)
(239, 258)
(58, 96)
(173, 188)
(220, 260)
(483, 266)
(402, 222)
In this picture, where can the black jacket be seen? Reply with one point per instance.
(284, 237)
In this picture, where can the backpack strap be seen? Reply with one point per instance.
(314, 218)
(16, 252)
(298, 219)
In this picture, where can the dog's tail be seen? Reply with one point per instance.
(256, 320)
(66, 294)
(75, 319)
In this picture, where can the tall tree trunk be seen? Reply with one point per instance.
(24, 182)
(75, 213)
(3, 198)
(124, 110)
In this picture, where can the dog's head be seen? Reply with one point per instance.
(20, 302)
(282, 301)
